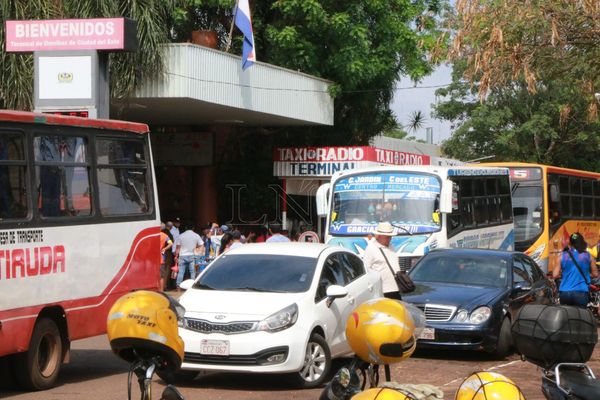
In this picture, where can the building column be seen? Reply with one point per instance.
(204, 195)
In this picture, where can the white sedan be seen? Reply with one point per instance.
(274, 308)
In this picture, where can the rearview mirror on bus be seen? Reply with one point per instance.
(554, 198)
(322, 200)
(446, 198)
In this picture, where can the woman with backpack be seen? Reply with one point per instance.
(577, 267)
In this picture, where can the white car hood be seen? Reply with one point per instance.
(226, 306)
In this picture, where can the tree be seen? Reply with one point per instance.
(363, 46)
(549, 126)
(417, 121)
(128, 70)
(537, 41)
(396, 133)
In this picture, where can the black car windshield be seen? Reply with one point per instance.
(259, 273)
(475, 270)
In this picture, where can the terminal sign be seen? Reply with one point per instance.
(71, 34)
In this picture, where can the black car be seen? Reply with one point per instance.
(470, 296)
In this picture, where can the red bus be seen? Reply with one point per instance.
(79, 227)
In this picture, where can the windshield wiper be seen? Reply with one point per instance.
(514, 187)
(249, 289)
(403, 228)
(203, 286)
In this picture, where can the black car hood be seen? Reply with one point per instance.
(461, 296)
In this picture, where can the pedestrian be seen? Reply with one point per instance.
(169, 258)
(576, 268)
(251, 238)
(225, 243)
(379, 257)
(276, 235)
(236, 239)
(165, 247)
(261, 236)
(186, 245)
(174, 229)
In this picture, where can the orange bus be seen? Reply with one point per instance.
(550, 203)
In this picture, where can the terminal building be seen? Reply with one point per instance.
(205, 97)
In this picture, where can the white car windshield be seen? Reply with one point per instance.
(259, 273)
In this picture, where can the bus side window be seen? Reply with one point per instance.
(122, 177)
(62, 176)
(13, 173)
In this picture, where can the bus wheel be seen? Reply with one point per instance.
(37, 368)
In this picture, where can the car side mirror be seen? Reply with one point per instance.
(187, 284)
(522, 286)
(554, 193)
(335, 292)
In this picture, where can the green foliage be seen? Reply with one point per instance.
(128, 70)
(396, 133)
(362, 45)
(551, 126)
(213, 15)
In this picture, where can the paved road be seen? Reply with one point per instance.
(96, 374)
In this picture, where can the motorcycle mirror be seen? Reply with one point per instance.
(171, 393)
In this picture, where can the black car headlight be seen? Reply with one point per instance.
(480, 315)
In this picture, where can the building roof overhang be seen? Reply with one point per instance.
(205, 86)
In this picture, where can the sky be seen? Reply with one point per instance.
(409, 98)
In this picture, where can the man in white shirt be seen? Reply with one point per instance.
(186, 244)
(237, 239)
(376, 253)
(276, 235)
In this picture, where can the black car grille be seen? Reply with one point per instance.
(201, 325)
(437, 313)
(259, 358)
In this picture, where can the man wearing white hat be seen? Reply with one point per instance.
(379, 257)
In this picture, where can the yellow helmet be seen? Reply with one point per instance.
(381, 394)
(143, 324)
(381, 331)
(488, 386)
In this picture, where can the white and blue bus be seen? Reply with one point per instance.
(430, 207)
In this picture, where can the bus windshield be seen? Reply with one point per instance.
(409, 200)
(527, 210)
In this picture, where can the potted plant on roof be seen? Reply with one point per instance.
(204, 22)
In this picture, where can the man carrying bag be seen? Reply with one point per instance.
(379, 257)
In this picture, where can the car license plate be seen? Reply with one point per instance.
(214, 347)
(427, 334)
